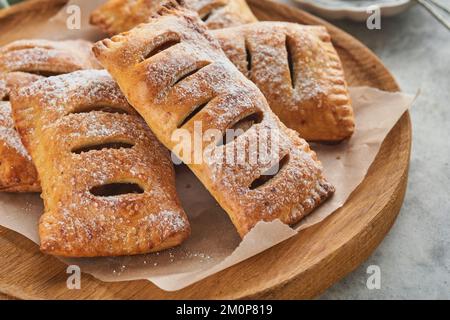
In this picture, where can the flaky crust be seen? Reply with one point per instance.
(117, 16)
(17, 171)
(46, 57)
(21, 63)
(298, 70)
(79, 221)
(191, 70)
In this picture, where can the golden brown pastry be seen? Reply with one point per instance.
(108, 185)
(298, 70)
(177, 77)
(46, 57)
(117, 16)
(21, 63)
(17, 172)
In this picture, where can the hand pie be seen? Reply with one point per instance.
(177, 77)
(299, 72)
(46, 57)
(21, 63)
(17, 171)
(108, 185)
(117, 16)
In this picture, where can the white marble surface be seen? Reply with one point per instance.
(414, 258)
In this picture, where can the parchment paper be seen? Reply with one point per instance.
(214, 244)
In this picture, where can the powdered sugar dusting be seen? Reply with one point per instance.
(8, 134)
(116, 17)
(43, 56)
(167, 221)
(298, 71)
(80, 85)
(78, 222)
(233, 97)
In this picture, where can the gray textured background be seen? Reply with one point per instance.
(414, 257)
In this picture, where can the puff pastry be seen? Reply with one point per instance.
(298, 70)
(176, 76)
(46, 57)
(108, 185)
(21, 63)
(17, 171)
(117, 16)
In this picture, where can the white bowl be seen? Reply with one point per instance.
(354, 9)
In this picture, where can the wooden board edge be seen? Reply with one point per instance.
(289, 288)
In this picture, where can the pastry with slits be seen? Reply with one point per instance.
(108, 185)
(117, 16)
(21, 63)
(176, 76)
(299, 72)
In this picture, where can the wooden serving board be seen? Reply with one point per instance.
(301, 267)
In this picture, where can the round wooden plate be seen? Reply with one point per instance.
(301, 267)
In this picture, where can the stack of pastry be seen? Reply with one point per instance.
(95, 141)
